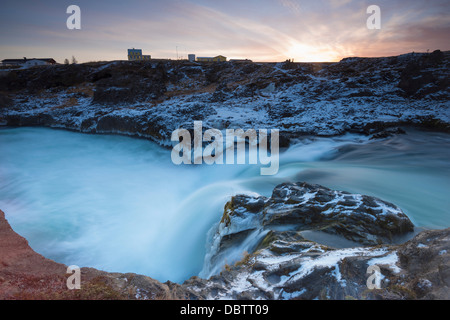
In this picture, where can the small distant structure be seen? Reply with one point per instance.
(212, 59)
(136, 55)
(191, 57)
(26, 63)
(240, 60)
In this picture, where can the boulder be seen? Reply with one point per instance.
(25, 274)
(302, 206)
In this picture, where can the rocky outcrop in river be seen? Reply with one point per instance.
(297, 207)
(277, 258)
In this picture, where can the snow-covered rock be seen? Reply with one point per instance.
(154, 98)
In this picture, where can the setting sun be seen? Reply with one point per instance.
(308, 53)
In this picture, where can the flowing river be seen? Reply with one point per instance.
(119, 204)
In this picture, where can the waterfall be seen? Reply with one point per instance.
(119, 204)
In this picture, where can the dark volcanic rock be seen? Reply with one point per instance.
(272, 229)
(387, 133)
(426, 261)
(277, 261)
(360, 218)
(129, 83)
(5, 101)
(35, 79)
(326, 99)
(418, 79)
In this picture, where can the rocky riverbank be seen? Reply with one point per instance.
(151, 99)
(304, 242)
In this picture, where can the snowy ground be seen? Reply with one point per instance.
(341, 97)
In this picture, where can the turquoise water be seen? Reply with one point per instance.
(119, 204)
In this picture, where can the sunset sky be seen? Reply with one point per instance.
(261, 30)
